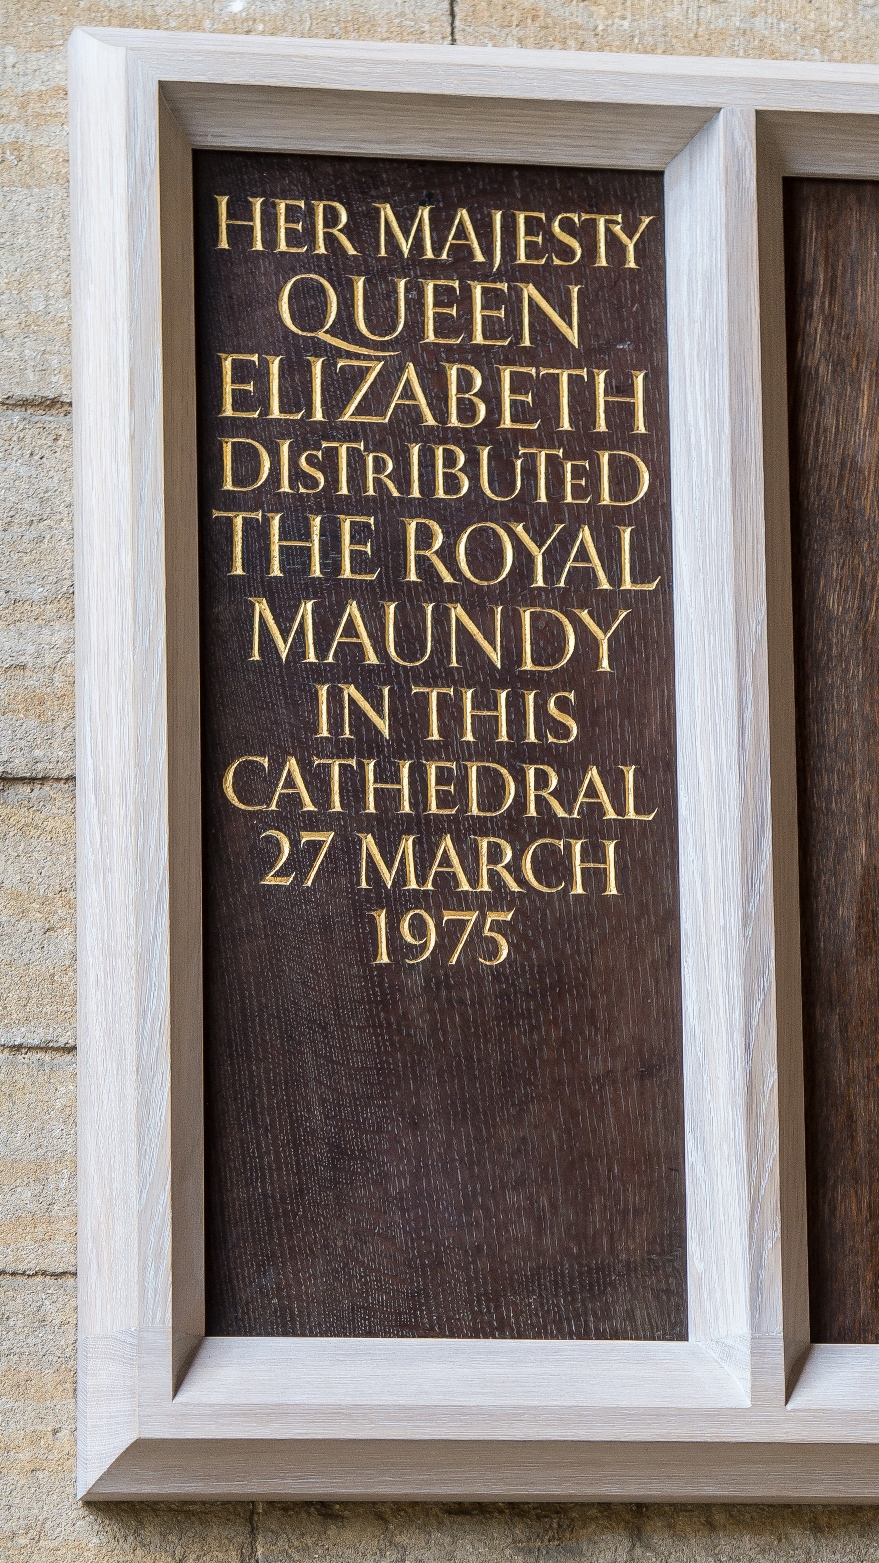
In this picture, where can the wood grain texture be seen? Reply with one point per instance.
(108, 1018)
(832, 279)
(669, 81)
(782, 755)
(184, 770)
(446, 1150)
(839, 1378)
(824, 146)
(652, 1471)
(285, 119)
(723, 750)
(521, 1379)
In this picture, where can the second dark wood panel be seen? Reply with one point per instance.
(832, 247)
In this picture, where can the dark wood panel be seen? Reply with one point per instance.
(440, 1149)
(832, 244)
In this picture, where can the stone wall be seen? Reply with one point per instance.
(39, 1516)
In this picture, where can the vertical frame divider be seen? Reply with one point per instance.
(150, 754)
(125, 816)
(785, 845)
(107, 1200)
(730, 1072)
(184, 770)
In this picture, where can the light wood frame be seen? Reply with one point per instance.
(746, 1408)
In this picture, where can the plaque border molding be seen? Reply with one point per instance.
(746, 1408)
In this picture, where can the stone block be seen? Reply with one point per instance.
(37, 919)
(37, 1161)
(749, 29)
(35, 28)
(564, 1533)
(36, 596)
(34, 233)
(40, 1518)
(34, 296)
(37, 1377)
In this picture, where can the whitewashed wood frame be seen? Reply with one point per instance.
(745, 1408)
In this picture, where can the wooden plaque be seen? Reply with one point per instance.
(832, 233)
(398, 1177)
(442, 944)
